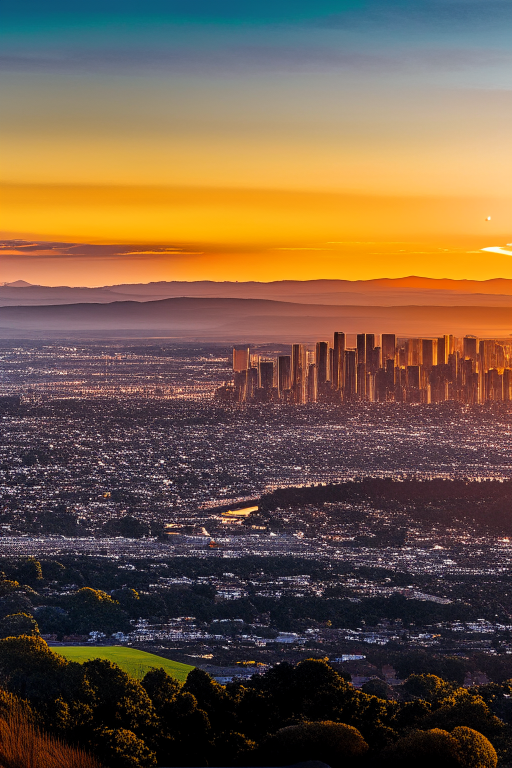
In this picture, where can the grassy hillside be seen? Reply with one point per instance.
(133, 661)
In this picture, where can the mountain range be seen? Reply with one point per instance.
(248, 319)
(381, 292)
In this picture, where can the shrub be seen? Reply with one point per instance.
(18, 624)
(122, 749)
(427, 687)
(475, 750)
(336, 744)
(462, 748)
(379, 688)
(424, 749)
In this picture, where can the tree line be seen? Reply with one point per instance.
(288, 714)
(436, 500)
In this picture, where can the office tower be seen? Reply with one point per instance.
(361, 366)
(381, 385)
(299, 373)
(454, 365)
(370, 344)
(443, 347)
(252, 383)
(241, 358)
(469, 349)
(361, 381)
(427, 353)
(338, 360)
(467, 368)
(241, 386)
(439, 384)
(487, 354)
(507, 384)
(322, 362)
(370, 391)
(413, 384)
(350, 385)
(413, 349)
(388, 344)
(376, 359)
(267, 375)
(494, 385)
(413, 376)
(390, 378)
(472, 389)
(284, 373)
(312, 383)
(400, 384)
(361, 348)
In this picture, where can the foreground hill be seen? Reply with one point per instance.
(247, 319)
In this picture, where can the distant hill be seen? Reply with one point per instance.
(18, 284)
(383, 292)
(228, 319)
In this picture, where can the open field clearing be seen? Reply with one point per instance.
(133, 661)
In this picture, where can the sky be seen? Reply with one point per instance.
(261, 140)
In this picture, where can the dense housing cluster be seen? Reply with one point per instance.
(412, 370)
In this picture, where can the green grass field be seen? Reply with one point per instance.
(133, 661)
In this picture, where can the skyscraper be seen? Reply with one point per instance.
(470, 348)
(427, 353)
(338, 360)
(299, 373)
(350, 387)
(322, 362)
(370, 344)
(241, 359)
(388, 344)
(361, 348)
(284, 373)
(312, 383)
(443, 349)
(414, 351)
(361, 366)
(361, 381)
(267, 375)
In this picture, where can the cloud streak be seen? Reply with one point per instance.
(58, 250)
(498, 249)
(231, 60)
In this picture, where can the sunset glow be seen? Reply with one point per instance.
(350, 140)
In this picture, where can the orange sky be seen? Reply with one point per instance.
(244, 234)
(276, 146)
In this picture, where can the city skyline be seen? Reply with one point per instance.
(404, 370)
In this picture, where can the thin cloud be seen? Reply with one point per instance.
(498, 249)
(57, 250)
(251, 57)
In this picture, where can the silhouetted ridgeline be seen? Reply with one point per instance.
(488, 502)
(234, 319)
